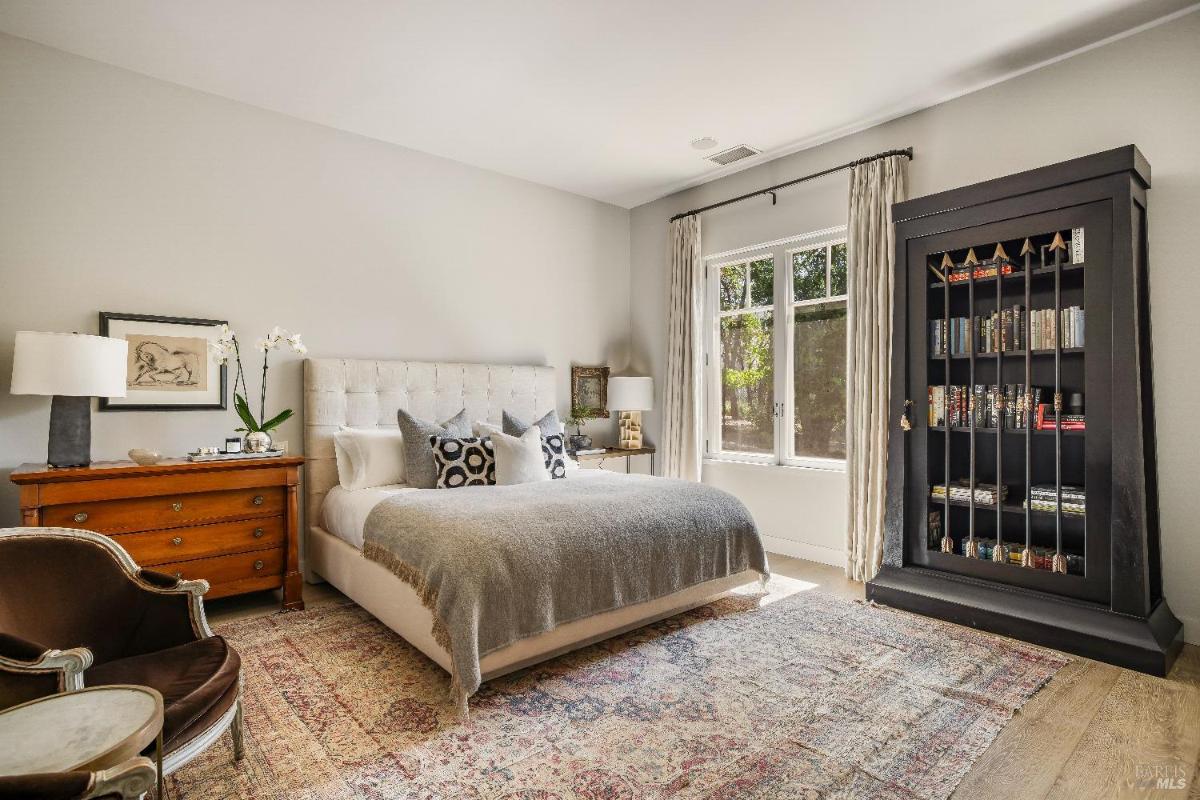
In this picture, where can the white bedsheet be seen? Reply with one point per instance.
(345, 511)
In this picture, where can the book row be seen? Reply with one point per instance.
(1042, 497)
(985, 493)
(1005, 330)
(1043, 329)
(995, 406)
(1000, 262)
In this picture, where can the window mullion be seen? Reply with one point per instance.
(782, 352)
(829, 269)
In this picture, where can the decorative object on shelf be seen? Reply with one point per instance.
(166, 368)
(144, 457)
(213, 454)
(589, 392)
(630, 396)
(258, 441)
(257, 429)
(72, 368)
(1082, 532)
(579, 440)
(233, 444)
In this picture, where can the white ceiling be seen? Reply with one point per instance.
(598, 97)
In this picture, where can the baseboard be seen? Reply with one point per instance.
(1191, 629)
(806, 551)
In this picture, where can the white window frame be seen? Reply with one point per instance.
(781, 251)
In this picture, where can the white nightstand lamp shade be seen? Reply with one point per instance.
(630, 397)
(72, 368)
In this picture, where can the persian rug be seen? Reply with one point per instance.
(799, 696)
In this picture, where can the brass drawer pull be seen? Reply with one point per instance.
(177, 506)
(258, 533)
(178, 540)
(81, 516)
(258, 499)
(258, 564)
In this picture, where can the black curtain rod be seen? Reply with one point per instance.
(906, 152)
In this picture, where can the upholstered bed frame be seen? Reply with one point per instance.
(367, 394)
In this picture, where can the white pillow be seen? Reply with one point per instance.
(482, 429)
(519, 459)
(369, 457)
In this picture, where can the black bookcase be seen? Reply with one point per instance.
(1022, 490)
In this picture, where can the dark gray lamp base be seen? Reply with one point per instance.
(70, 432)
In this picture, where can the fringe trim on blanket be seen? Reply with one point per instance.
(428, 595)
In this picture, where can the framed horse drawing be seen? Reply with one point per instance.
(169, 367)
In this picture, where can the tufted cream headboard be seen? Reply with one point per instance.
(367, 394)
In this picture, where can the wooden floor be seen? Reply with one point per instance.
(1095, 731)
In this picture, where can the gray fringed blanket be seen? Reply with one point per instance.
(496, 564)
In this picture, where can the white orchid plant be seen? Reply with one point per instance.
(226, 347)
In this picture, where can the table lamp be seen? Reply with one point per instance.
(630, 397)
(72, 368)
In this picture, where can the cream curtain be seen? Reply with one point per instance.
(874, 186)
(682, 417)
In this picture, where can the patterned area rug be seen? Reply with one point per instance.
(797, 696)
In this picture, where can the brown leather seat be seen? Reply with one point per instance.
(198, 682)
(76, 610)
(126, 781)
(45, 786)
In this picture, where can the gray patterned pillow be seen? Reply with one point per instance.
(549, 424)
(554, 452)
(418, 455)
(463, 461)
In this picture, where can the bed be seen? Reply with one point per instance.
(367, 394)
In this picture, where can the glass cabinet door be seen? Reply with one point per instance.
(1009, 336)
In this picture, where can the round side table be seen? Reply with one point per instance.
(91, 729)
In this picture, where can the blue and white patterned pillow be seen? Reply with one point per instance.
(463, 461)
(554, 450)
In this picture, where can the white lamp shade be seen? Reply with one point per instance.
(69, 364)
(631, 394)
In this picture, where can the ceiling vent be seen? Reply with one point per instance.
(733, 154)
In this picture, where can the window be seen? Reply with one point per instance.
(776, 356)
(747, 333)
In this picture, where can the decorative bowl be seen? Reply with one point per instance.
(144, 457)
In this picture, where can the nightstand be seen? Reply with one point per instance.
(613, 455)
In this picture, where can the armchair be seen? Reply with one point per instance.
(76, 610)
(127, 781)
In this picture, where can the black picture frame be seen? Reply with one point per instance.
(106, 320)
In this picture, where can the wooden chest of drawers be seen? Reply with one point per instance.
(232, 523)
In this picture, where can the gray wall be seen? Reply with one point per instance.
(1145, 90)
(119, 192)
